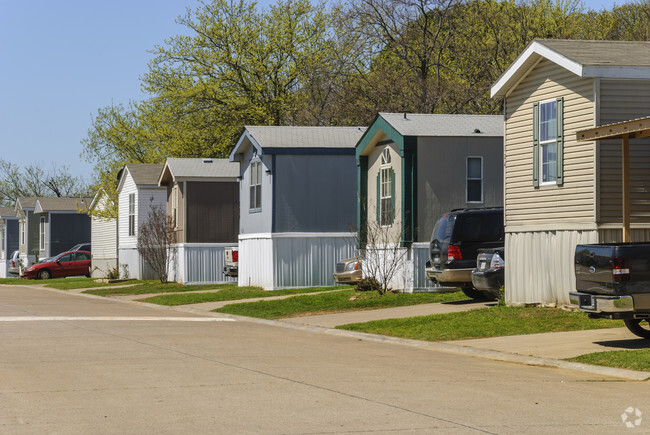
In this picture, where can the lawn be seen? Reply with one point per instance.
(58, 283)
(231, 292)
(482, 323)
(624, 359)
(155, 286)
(327, 303)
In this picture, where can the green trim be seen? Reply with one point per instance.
(379, 124)
(560, 141)
(535, 144)
(408, 153)
(362, 209)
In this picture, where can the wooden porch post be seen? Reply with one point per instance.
(626, 187)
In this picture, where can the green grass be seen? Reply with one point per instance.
(624, 359)
(482, 323)
(155, 286)
(333, 303)
(231, 292)
(59, 283)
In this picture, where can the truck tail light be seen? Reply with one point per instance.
(235, 256)
(453, 253)
(497, 262)
(620, 269)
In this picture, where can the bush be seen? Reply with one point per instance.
(368, 284)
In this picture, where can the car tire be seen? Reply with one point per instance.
(44, 274)
(638, 327)
(471, 292)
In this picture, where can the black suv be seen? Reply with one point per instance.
(455, 242)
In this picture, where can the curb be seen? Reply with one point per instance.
(624, 374)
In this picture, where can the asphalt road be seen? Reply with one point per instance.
(72, 364)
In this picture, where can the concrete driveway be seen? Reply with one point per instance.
(73, 364)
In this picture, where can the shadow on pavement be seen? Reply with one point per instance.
(626, 344)
(469, 301)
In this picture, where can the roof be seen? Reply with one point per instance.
(606, 59)
(26, 202)
(62, 204)
(421, 124)
(145, 173)
(274, 140)
(6, 212)
(207, 168)
(634, 129)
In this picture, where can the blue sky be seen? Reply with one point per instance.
(61, 60)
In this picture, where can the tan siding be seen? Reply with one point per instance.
(374, 165)
(623, 100)
(572, 203)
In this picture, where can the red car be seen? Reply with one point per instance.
(71, 263)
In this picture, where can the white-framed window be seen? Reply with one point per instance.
(132, 214)
(474, 177)
(175, 206)
(42, 234)
(22, 231)
(255, 186)
(548, 141)
(3, 245)
(386, 189)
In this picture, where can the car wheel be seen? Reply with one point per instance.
(44, 274)
(638, 327)
(473, 293)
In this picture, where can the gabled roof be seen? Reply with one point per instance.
(207, 168)
(143, 174)
(404, 128)
(7, 212)
(23, 202)
(288, 140)
(605, 59)
(422, 124)
(62, 204)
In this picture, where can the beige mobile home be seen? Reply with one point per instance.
(559, 191)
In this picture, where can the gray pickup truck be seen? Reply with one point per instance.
(613, 281)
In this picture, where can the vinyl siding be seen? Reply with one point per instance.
(258, 221)
(374, 165)
(442, 177)
(103, 233)
(623, 100)
(128, 187)
(562, 207)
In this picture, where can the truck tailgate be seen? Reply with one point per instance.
(613, 268)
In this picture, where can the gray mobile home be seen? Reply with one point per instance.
(8, 237)
(297, 203)
(63, 223)
(203, 210)
(427, 164)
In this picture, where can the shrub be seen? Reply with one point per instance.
(368, 284)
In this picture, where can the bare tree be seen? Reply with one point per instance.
(155, 242)
(382, 255)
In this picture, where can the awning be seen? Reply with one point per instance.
(635, 129)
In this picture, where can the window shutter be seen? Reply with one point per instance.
(536, 144)
(379, 198)
(560, 141)
(392, 196)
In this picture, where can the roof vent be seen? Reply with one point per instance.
(208, 160)
(476, 130)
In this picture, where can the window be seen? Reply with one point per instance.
(132, 214)
(2, 242)
(548, 142)
(385, 190)
(474, 171)
(22, 231)
(174, 206)
(42, 238)
(256, 186)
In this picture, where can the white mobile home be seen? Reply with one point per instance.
(103, 233)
